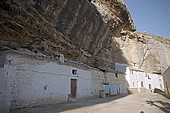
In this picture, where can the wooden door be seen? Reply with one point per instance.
(73, 87)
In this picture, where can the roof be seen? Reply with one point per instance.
(135, 69)
(118, 72)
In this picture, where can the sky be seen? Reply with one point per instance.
(151, 16)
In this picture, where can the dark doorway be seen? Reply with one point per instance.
(73, 87)
(150, 86)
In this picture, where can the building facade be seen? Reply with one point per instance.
(139, 81)
(154, 82)
(28, 80)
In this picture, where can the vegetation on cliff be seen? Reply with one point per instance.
(159, 38)
(162, 39)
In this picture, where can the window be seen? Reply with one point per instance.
(141, 83)
(74, 72)
(131, 71)
(116, 75)
(149, 77)
(150, 86)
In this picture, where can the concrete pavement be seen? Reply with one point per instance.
(135, 103)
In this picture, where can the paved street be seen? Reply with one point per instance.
(135, 103)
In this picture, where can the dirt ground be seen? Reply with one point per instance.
(134, 103)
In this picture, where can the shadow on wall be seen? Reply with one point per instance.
(119, 57)
(164, 106)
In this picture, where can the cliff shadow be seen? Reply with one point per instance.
(119, 55)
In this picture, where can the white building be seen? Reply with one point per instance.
(28, 80)
(139, 81)
(154, 82)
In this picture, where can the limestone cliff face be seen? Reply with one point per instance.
(79, 29)
(143, 51)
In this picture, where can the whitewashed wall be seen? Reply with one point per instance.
(127, 76)
(135, 78)
(155, 81)
(34, 81)
(97, 80)
(84, 84)
(141, 78)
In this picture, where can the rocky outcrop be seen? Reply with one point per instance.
(143, 51)
(115, 14)
(82, 30)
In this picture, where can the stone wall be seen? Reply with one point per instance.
(119, 80)
(97, 81)
(36, 81)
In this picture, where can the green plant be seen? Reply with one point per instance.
(162, 39)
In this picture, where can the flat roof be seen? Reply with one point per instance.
(135, 69)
